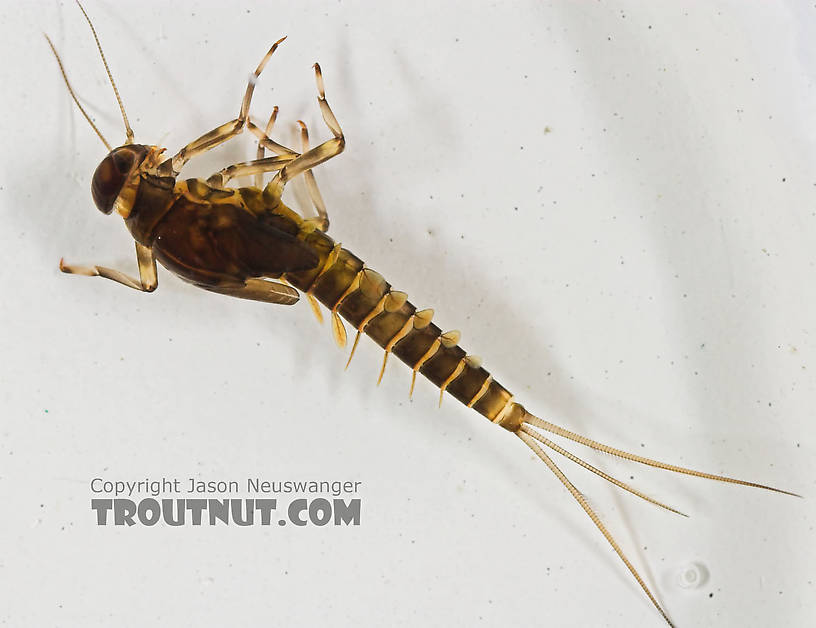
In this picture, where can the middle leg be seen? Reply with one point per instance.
(261, 151)
(285, 156)
(247, 168)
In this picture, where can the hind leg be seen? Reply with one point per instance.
(314, 156)
(264, 141)
(311, 184)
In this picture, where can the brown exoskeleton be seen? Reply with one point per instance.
(245, 242)
(231, 241)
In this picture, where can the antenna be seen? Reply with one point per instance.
(128, 130)
(73, 95)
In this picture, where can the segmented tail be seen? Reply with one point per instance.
(343, 284)
(534, 421)
(526, 431)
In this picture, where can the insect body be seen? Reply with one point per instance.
(245, 242)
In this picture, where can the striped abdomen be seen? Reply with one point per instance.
(366, 301)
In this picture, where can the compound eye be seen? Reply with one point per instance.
(111, 175)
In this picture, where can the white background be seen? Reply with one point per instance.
(615, 203)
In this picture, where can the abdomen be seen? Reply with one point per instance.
(333, 282)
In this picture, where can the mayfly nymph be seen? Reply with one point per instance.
(245, 242)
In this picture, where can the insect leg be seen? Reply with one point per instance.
(220, 134)
(261, 152)
(311, 183)
(259, 290)
(148, 279)
(264, 141)
(246, 168)
(320, 153)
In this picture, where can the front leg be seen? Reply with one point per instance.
(220, 134)
(148, 279)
